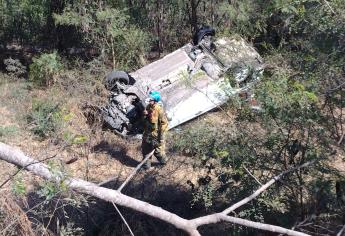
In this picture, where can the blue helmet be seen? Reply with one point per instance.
(155, 95)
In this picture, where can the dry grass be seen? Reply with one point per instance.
(13, 220)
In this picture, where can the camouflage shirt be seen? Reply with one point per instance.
(155, 122)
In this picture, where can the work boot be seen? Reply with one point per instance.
(147, 165)
(162, 160)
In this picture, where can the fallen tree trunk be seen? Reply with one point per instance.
(18, 158)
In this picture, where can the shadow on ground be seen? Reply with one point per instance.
(116, 151)
(97, 217)
(100, 218)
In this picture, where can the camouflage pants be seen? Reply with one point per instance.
(159, 151)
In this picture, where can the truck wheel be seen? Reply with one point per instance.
(201, 33)
(116, 80)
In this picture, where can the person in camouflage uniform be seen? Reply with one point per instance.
(155, 127)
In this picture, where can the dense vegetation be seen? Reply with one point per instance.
(69, 45)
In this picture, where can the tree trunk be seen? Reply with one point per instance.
(194, 14)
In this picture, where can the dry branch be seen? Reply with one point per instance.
(219, 217)
(18, 158)
(137, 168)
(123, 219)
(329, 6)
(340, 233)
(264, 187)
(135, 171)
(256, 179)
(22, 168)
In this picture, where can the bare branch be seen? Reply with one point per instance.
(329, 6)
(123, 218)
(264, 187)
(135, 171)
(252, 175)
(215, 218)
(24, 167)
(52, 215)
(18, 158)
(340, 86)
(341, 231)
(130, 176)
(261, 226)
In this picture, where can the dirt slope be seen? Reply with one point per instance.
(102, 157)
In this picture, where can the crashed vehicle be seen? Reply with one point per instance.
(192, 80)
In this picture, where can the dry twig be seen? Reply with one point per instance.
(341, 231)
(123, 218)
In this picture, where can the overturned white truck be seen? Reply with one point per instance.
(192, 80)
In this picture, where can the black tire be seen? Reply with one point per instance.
(116, 80)
(201, 33)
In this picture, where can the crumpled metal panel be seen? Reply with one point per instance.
(186, 97)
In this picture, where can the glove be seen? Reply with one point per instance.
(155, 143)
(161, 138)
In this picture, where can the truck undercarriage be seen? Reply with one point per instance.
(192, 80)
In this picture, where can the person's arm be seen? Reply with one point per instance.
(163, 125)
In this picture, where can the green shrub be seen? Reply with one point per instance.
(204, 194)
(49, 189)
(14, 67)
(71, 138)
(44, 69)
(45, 118)
(18, 185)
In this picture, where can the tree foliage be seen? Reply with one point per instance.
(23, 20)
(109, 30)
(44, 118)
